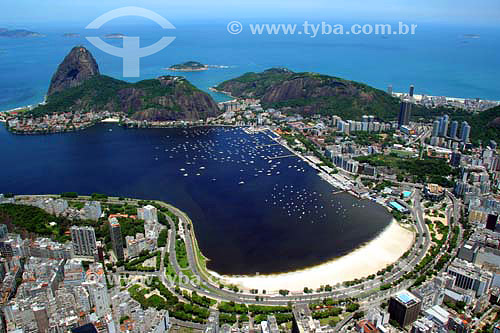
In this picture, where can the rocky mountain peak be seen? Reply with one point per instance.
(78, 66)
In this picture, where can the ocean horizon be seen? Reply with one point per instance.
(439, 60)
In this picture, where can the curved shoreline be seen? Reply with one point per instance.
(367, 259)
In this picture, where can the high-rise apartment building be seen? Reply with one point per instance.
(453, 129)
(116, 238)
(148, 213)
(443, 125)
(435, 128)
(404, 114)
(92, 210)
(83, 240)
(465, 132)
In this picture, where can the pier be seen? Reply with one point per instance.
(254, 130)
(269, 145)
(278, 157)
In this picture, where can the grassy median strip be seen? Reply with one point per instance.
(181, 253)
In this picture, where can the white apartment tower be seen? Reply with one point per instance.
(148, 213)
(83, 240)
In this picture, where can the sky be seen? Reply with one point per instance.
(478, 12)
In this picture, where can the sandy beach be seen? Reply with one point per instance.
(391, 244)
(110, 120)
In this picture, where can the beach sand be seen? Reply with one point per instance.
(384, 250)
(110, 120)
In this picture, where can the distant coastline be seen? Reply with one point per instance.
(18, 33)
(213, 89)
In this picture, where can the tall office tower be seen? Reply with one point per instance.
(465, 132)
(435, 128)
(443, 125)
(99, 297)
(456, 157)
(491, 222)
(83, 240)
(389, 89)
(469, 276)
(453, 129)
(404, 308)
(82, 298)
(41, 318)
(404, 114)
(116, 238)
(412, 90)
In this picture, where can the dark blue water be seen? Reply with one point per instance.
(251, 213)
(438, 59)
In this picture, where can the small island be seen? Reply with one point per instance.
(190, 66)
(18, 33)
(114, 36)
(71, 35)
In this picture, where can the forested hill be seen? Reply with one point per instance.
(312, 93)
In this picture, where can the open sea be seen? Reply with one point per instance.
(438, 60)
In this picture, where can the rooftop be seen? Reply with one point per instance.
(438, 313)
(406, 297)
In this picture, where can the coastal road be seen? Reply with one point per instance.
(423, 232)
(457, 208)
